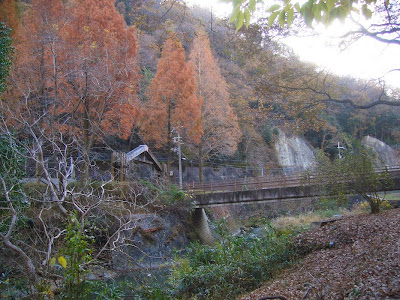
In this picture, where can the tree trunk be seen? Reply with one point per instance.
(86, 164)
(375, 206)
(112, 166)
(374, 203)
(86, 132)
(39, 165)
(169, 143)
(30, 268)
(200, 163)
(86, 142)
(323, 140)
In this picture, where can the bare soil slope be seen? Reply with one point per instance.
(356, 257)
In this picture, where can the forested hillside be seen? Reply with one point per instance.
(275, 86)
(252, 81)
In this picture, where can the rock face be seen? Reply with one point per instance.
(387, 156)
(294, 154)
(148, 241)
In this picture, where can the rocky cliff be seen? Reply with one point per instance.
(386, 155)
(294, 153)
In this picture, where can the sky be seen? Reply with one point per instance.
(366, 58)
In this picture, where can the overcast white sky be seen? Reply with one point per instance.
(366, 58)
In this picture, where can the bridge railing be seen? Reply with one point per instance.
(243, 184)
(254, 183)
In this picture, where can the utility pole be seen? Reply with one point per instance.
(177, 140)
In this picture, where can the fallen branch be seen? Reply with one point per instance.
(310, 287)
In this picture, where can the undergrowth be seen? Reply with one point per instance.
(234, 265)
(241, 263)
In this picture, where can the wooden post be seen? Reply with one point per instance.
(122, 160)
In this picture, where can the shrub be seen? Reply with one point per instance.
(353, 173)
(100, 290)
(267, 135)
(364, 206)
(74, 256)
(35, 192)
(172, 195)
(148, 291)
(232, 266)
(332, 203)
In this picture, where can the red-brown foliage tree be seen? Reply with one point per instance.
(172, 104)
(35, 75)
(76, 63)
(220, 129)
(38, 54)
(102, 73)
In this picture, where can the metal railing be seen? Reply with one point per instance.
(255, 183)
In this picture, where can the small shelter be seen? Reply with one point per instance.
(146, 165)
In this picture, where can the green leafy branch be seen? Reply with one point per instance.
(320, 11)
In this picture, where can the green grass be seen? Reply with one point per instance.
(391, 195)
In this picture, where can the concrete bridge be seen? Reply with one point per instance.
(261, 189)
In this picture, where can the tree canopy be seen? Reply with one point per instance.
(354, 172)
(173, 104)
(322, 11)
(220, 131)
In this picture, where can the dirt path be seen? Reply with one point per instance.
(356, 257)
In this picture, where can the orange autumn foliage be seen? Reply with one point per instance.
(8, 14)
(220, 129)
(103, 74)
(172, 104)
(38, 51)
(76, 61)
